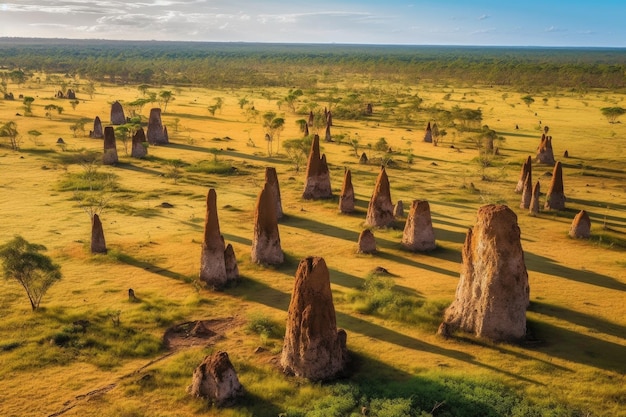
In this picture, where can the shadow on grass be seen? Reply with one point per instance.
(267, 160)
(135, 168)
(548, 266)
(410, 262)
(437, 395)
(259, 406)
(600, 205)
(261, 293)
(129, 260)
(578, 347)
(594, 324)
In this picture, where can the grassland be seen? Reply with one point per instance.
(119, 366)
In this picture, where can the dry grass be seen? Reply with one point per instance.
(577, 287)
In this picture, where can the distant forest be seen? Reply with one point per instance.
(304, 65)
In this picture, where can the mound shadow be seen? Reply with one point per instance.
(593, 323)
(548, 266)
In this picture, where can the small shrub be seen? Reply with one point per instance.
(265, 327)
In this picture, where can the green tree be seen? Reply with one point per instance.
(612, 113)
(9, 130)
(292, 98)
(90, 89)
(242, 102)
(165, 97)
(34, 271)
(28, 103)
(528, 100)
(297, 151)
(34, 136)
(272, 125)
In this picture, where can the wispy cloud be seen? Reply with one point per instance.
(555, 29)
(484, 17)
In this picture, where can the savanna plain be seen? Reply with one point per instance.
(90, 350)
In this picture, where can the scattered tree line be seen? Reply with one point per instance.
(250, 64)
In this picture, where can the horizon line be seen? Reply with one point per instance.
(308, 43)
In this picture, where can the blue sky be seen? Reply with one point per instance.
(456, 22)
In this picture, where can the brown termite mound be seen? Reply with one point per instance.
(419, 235)
(271, 179)
(317, 182)
(212, 263)
(216, 380)
(380, 208)
(139, 148)
(313, 347)
(266, 247)
(109, 157)
(581, 226)
(117, 114)
(346, 198)
(367, 242)
(493, 292)
(98, 244)
(555, 197)
(157, 134)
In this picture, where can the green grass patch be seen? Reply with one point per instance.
(213, 167)
(379, 296)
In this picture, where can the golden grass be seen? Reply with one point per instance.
(577, 287)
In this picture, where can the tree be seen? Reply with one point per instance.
(24, 262)
(90, 89)
(74, 103)
(297, 151)
(528, 100)
(292, 98)
(34, 136)
(28, 102)
(9, 130)
(165, 97)
(612, 113)
(273, 126)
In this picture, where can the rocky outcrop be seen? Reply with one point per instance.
(545, 154)
(555, 197)
(266, 247)
(271, 179)
(139, 147)
(419, 235)
(157, 134)
(380, 208)
(313, 347)
(117, 114)
(367, 242)
(493, 292)
(97, 132)
(533, 210)
(212, 263)
(526, 168)
(98, 244)
(216, 380)
(428, 134)
(317, 182)
(109, 157)
(581, 226)
(346, 198)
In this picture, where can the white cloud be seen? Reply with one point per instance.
(484, 17)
